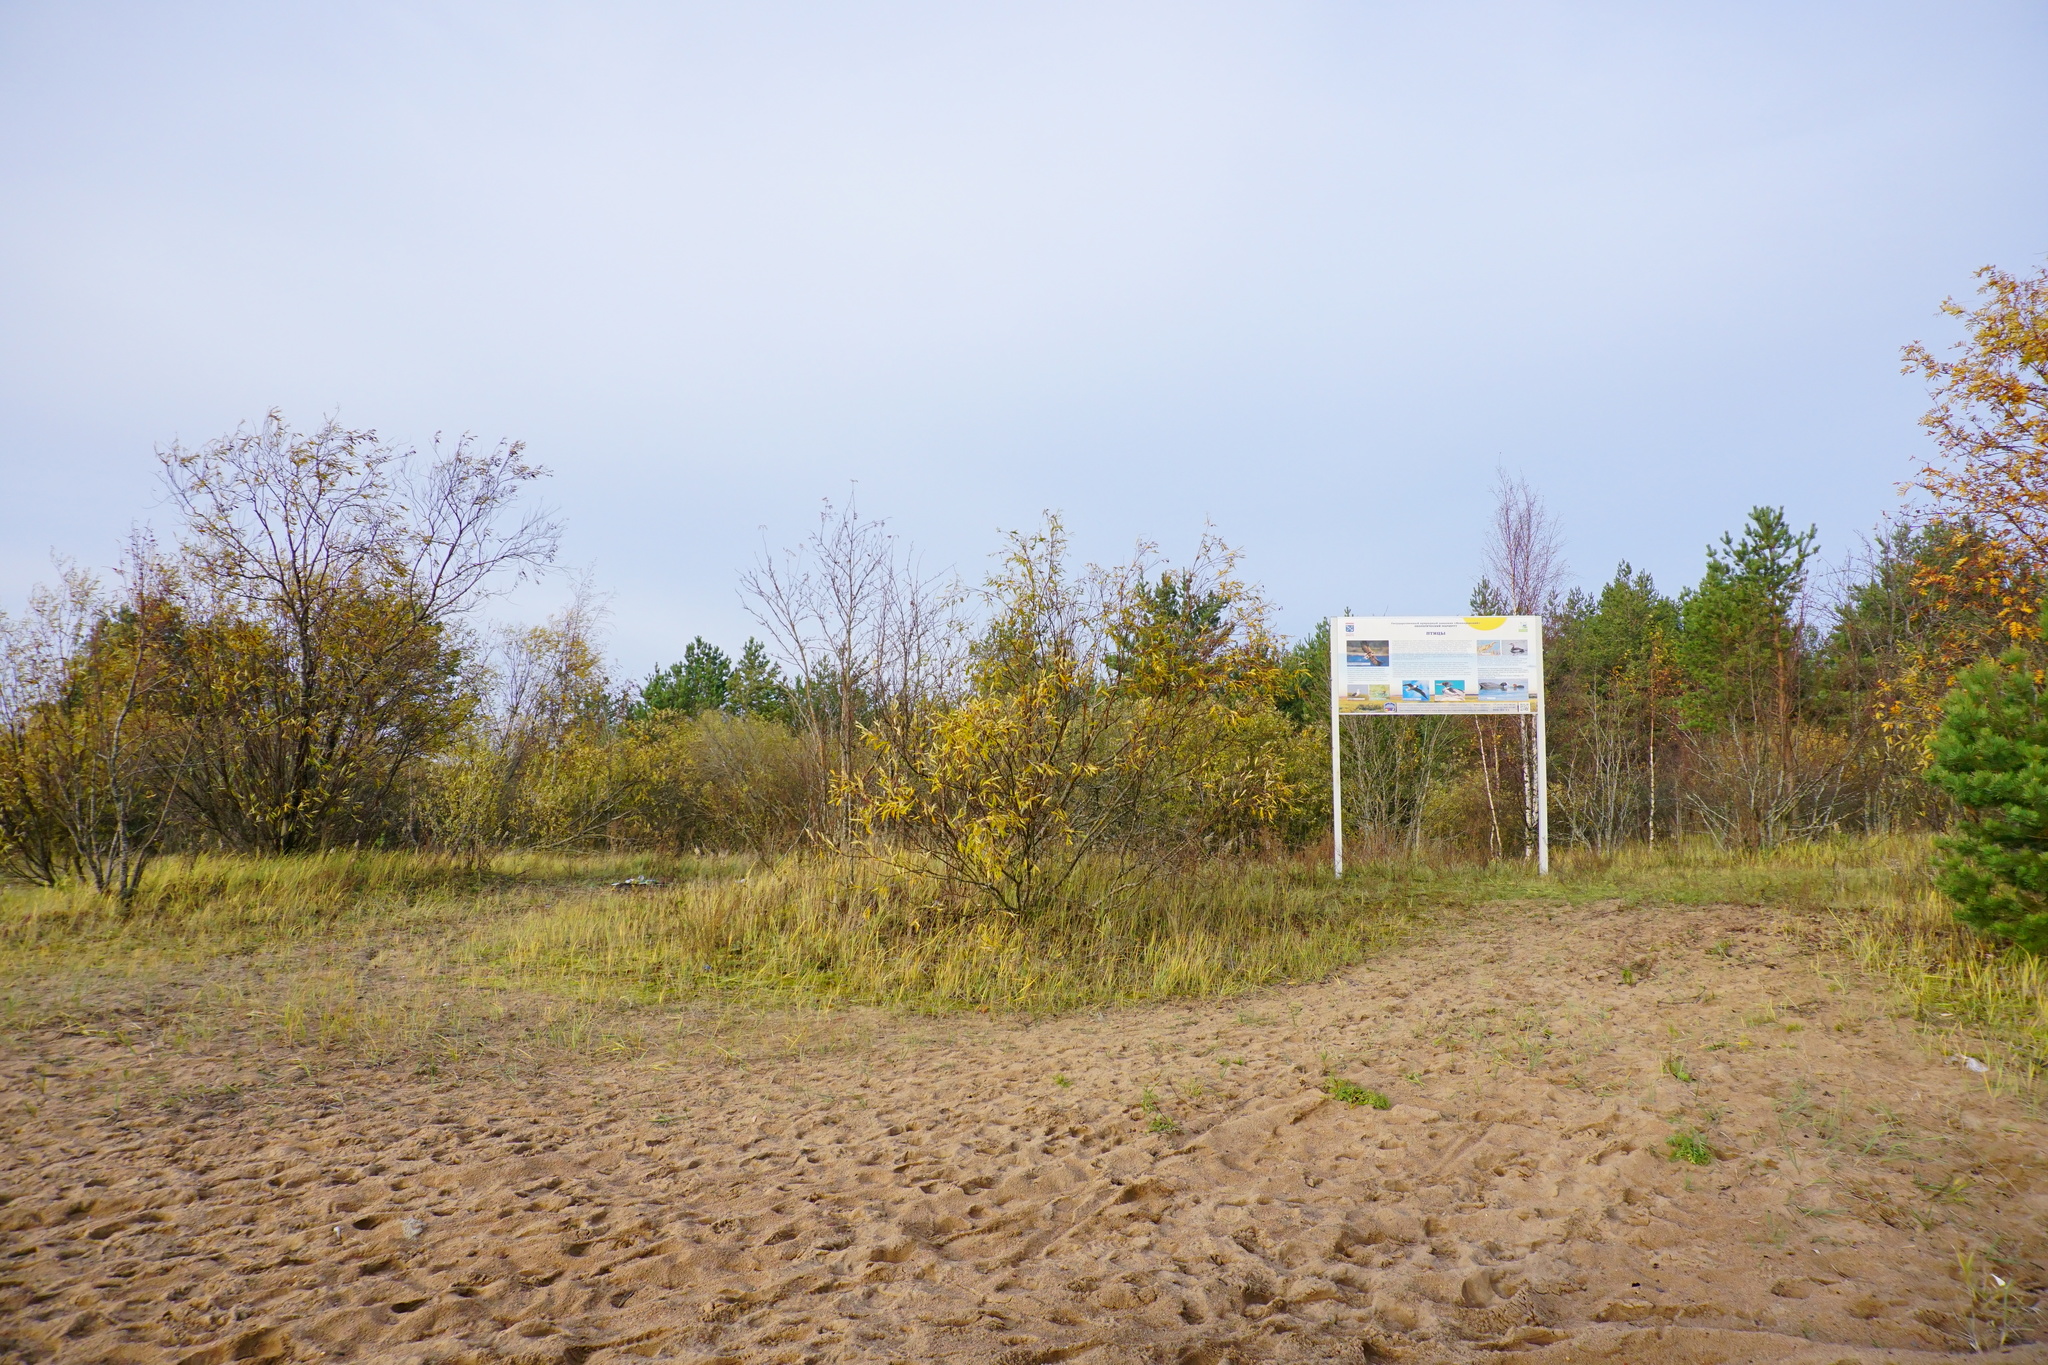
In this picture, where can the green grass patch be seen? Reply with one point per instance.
(1688, 1146)
(1350, 1092)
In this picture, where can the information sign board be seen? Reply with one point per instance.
(1436, 665)
(1396, 666)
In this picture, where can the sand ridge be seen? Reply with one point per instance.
(1168, 1184)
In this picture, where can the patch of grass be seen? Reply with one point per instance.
(1998, 1307)
(1351, 1092)
(1803, 1107)
(1877, 895)
(1954, 1190)
(354, 946)
(794, 932)
(420, 955)
(1677, 1070)
(1161, 1122)
(1886, 1141)
(1688, 1146)
(1956, 980)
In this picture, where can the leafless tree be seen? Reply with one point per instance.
(865, 631)
(1525, 555)
(278, 515)
(1524, 569)
(322, 573)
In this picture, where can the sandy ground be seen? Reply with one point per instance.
(1163, 1185)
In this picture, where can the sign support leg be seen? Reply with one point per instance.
(1336, 796)
(1542, 795)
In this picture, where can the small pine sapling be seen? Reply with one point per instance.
(1991, 758)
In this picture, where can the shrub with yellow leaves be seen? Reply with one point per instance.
(1119, 715)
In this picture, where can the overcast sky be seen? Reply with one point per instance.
(1310, 272)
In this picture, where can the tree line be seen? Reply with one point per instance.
(305, 666)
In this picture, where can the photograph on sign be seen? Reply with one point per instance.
(1433, 666)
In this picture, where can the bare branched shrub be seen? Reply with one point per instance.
(867, 635)
(321, 580)
(90, 760)
(1602, 789)
(1751, 787)
(1394, 770)
(536, 766)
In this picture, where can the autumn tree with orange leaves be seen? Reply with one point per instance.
(1966, 580)
(1990, 420)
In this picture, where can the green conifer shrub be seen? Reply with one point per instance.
(1991, 758)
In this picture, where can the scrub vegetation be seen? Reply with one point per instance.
(279, 763)
(436, 960)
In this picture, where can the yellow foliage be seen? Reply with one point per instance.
(1103, 714)
(1990, 415)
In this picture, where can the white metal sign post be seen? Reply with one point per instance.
(1393, 667)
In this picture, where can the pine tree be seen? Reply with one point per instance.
(1740, 643)
(701, 682)
(707, 680)
(1991, 757)
(1303, 691)
(755, 686)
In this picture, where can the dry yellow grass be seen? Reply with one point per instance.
(407, 955)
